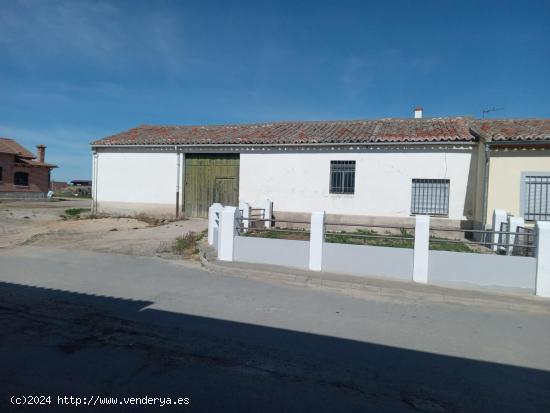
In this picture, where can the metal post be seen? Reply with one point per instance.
(268, 212)
(499, 216)
(513, 224)
(244, 207)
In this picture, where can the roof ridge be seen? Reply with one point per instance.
(291, 122)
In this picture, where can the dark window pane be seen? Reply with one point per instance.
(21, 178)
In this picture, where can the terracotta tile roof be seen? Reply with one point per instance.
(353, 131)
(8, 145)
(513, 129)
(30, 162)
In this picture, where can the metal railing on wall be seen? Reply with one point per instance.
(258, 226)
(469, 240)
(366, 232)
(503, 244)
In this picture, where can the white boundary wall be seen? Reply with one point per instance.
(418, 264)
(299, 181)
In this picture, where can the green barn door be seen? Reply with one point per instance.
(209, 179)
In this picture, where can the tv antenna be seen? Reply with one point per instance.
(493, 109)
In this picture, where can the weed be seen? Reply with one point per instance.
(74, 213)
(148, 219)
(186, 245)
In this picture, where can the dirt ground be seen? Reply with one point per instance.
(41, 223)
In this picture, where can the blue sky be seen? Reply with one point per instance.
(74, 71)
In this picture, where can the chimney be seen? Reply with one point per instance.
(41, 153)
(418, 113)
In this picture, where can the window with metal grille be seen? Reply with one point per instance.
(21, 179)
(342, 177)
(536, 196)
(430, 197)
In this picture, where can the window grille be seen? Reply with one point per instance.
(430, 197)
(342, 177)
(536, 198)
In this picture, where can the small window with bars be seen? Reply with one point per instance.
(342, 177)
(536, 196)
(430, 197)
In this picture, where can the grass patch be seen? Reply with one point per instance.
(355, 238)
(186, 245)
(74, 213)
(295, 234)
(449, 246)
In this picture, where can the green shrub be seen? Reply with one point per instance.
(74, 213)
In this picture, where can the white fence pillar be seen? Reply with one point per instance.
(421, 249)
(227, 233)
(213, 223)
(316, 241)
(268, 211)
(245, 210)
(542, 287)
(513, 224)
(499, 216)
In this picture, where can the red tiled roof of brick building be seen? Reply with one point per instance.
(23, 156)
(281, 133)
(8, 145)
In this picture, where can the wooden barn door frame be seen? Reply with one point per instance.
(198, 195)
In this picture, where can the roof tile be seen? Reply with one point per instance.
(514, 129)
(337, 132)
(8, 145)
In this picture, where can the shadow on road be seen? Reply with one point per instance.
(61, 343)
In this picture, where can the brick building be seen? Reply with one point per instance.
(22, 173)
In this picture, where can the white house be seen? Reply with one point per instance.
(381, 169)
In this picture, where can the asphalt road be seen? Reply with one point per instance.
(84, 324)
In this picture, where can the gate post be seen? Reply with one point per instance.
(214, 217)
(268, 212)
(542, 287)
(421, 249)
(316, 241)
(513, 224)
(499, 216)
(245, 210)
(227, 233)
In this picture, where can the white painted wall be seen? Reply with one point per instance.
(299, 181)
(135, 181)
(145, 180)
